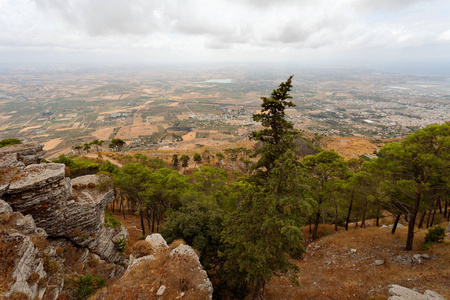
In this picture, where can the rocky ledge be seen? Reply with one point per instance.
(72, 209)
(27, 153)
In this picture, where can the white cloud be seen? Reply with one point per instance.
(243, 29)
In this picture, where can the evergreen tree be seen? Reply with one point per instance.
(175, 161)
(412, 170)
(278, 133)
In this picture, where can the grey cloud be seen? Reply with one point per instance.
(370, 5)
(107, 17)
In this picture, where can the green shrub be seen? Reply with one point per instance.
(87, 285)
(434, 235)
(120, 244)
(7, 142)
(111, 222)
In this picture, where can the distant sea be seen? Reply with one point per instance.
(219, 81)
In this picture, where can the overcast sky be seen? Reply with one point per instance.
(312, 32)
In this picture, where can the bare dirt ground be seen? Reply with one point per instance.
(103, 133)
(51, 144)
(127, 132)
(350, 147)
(341, 266)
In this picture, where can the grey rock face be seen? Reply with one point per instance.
(28, 153)
(73, 209)
(27, 266)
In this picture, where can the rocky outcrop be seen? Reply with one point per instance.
(51, 227)
(169, 272)
(27, 153)
(72, 209)
(22, 266)
(34, 267)
(401, 293)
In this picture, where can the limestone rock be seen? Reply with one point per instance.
(401, 293)
(134, 262)
(156, 240)
(24, 265)
(378, 262)
(448, 228)
(28, 153)
(161, 290)
(5, 208)
(45, 193)
(183, 250)
(178, 270)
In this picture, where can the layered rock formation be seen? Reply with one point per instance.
(62, 207)
(21, 262)
(51, 226)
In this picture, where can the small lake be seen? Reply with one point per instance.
(219, 81)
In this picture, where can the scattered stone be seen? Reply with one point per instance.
(352, 250)
(161, 290)
(392, 225)
(378, 262)
(398, 292)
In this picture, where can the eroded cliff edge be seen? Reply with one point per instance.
(51, 226)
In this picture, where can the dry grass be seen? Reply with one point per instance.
(141, 248)
(178, 274)
(330, 270)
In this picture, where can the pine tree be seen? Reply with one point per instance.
(278, 133)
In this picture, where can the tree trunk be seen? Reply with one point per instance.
(122, 205)
(395, 223)
(316, 225)
(153, 220)
(142, 221)
(378, 217)
(157, 222)
(336, 216)
(445, 208)
(147, 216)
(258, 291)
(349, 210)
(363, 222)
(422, 218)
(439, 204)
(432, 218)
(428, 219)
(412, 220)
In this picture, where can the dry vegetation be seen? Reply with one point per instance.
(331, 270)
(143, 280)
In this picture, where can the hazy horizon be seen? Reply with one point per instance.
(404, 36)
